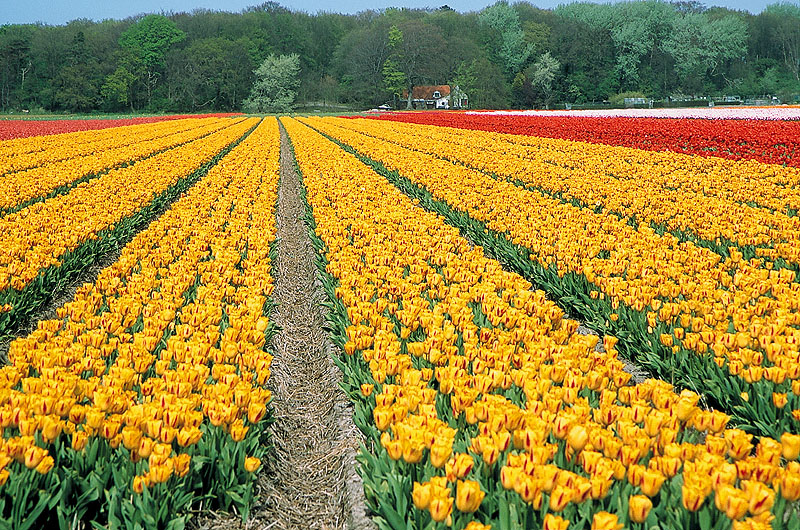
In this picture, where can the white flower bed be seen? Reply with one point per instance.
(719, 113)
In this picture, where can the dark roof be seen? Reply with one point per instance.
(426, 92)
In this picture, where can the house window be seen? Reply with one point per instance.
(436, 94)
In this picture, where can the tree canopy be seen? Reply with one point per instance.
(509, 54)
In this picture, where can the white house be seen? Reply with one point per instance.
(437, 97)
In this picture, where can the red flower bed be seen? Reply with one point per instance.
(23, 128)
(771, 141)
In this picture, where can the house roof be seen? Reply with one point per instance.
(426, 92)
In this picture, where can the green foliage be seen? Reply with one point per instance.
(393, 78)
(150, 38)
(118, 85)
(276, 84)
(484, 84)
(513, 48)
(543, 72)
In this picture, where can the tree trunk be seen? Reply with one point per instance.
(410, 91)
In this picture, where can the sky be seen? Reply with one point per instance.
(62, 11)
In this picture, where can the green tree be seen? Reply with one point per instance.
(513, 49)
(484, 84)
(213, 73)
(394, 79)
(786, 33)
(700, 45)
(117, 87)
(542, 73)
(148, 40)
(275, 88)
(420, 54)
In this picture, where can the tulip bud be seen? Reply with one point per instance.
(559, 498)
(140, 483)
(45, 465)
(256, 412)
(421, 495)
(790, 486)
(605, 521)
(159, 473)
(554, 522)
(441, 508)
(639, 508)
(440, 454)
(693, 497)
(79, 440)
(34, 455)
(468, 496)
(791, 445)
(577, 437)
(238, 431)
(251, 463)
(651, 482)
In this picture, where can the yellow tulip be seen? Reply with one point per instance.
(468, 496)
(639, 508)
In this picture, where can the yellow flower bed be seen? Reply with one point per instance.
(34, 237)
(35, 174)
(707, 197)
(478, 390)
(162, 359)
(740, 312)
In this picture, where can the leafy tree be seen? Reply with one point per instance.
(276, 84)
(542, 74)
(359, 60)
(512, 48)
(419, 54)
(700, 45)
(15, 62)
(786, 33)
(394, 79)
(213, 73)
(117, 87)
(484, 84)
(76, 89)
(148, 40)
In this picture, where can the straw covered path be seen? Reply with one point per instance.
(311, 480)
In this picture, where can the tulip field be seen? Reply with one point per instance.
(458, 254)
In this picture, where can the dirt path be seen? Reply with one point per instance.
(311, 482)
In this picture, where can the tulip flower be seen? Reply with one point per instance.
(251, 464)
(606, 521)
(421, 495)
(440, 508)
(468, 496)
(554, 522)
(693, 497)
(791, 445)
(639, 508)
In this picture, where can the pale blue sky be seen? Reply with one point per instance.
(62, 11)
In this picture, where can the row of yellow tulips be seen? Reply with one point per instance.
(740, 314)
(485, 406)
(675, 191)
(34, 237)
(48, 145)
(34, 151)
(113, 148)
(161, 361)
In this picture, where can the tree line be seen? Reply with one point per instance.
(506, 55)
